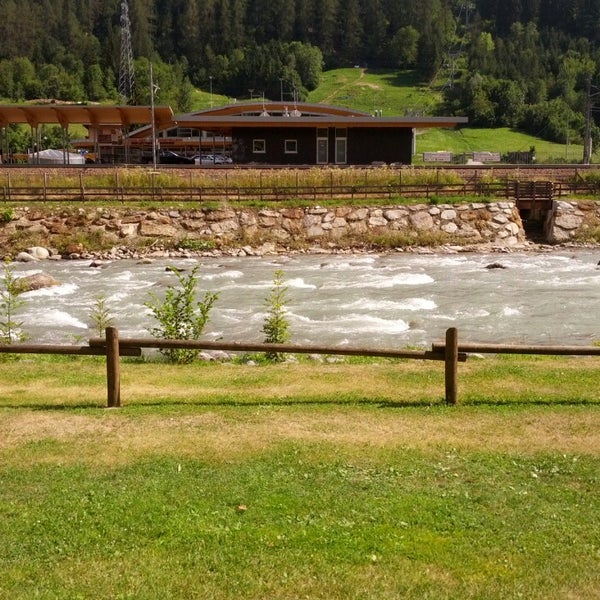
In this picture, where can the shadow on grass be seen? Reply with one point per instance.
(381, 403)
(227, 403)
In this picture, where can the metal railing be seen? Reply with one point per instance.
(189, 192)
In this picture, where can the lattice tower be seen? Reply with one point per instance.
(126, 72)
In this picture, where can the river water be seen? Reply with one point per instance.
(388, 300)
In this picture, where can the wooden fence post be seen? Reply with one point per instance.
(451, 364)
(113, 372)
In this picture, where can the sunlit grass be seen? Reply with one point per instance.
(393, 92)
(503, 140)
(346, 480)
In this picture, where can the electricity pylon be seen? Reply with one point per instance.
(126, 72)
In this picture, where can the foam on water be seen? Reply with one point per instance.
(223, 275)
(411, 304)
(358, 323)
(299, 283)
(383, 280)
(55, 318)
(66, 289)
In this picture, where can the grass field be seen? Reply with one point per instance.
(393, 92)
(332, 481)
(401, 93)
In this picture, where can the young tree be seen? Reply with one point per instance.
(100, 316)
(10, 329)
(180, 316)
(276, 326)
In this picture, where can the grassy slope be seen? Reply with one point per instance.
(400, 93)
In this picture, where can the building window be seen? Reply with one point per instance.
(291, 147)
(259, 146)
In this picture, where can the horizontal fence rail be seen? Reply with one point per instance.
(64, 350)
(522, 349)
(188, 192)
(451, 352)
(131, 343)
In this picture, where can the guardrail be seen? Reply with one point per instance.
(451, 352)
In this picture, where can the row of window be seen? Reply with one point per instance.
(259, 146)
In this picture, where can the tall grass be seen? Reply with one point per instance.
(231, 178)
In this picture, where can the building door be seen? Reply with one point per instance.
(341, 150)
(341, 146)
(322, 147)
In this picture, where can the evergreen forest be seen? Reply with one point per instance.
(526, 64)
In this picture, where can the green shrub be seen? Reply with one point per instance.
(6, 215)
(195, 245)
(180, 317)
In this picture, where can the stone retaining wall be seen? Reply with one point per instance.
(496, 223)
(572, 221)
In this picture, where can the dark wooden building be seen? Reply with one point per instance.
(311, 134)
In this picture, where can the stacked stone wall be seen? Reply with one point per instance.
(572, 221)
(496, 223)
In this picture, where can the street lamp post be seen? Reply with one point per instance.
(211, 91)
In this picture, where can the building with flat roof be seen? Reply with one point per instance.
(251, 133)
(278, 133)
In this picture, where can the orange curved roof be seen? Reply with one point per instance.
(96, 115)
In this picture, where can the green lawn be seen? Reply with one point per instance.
(332, 481)
(503, 140)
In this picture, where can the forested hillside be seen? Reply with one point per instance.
(530, 64)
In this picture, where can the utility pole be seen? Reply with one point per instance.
(152, 90)
(587, 136)
(126, 71)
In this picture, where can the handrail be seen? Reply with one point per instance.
(113, 345)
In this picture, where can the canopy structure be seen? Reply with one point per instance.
(254, 132)
(97, 118)
(296, 115)
(84, 114)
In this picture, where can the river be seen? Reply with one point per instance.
(389, 300)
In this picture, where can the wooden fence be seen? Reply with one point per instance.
(189, 192)
(451, 352)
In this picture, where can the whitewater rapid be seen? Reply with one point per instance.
(391, 300)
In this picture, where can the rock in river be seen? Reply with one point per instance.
(35, 282)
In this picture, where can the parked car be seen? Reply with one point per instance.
(222, 159)
(212, 159)
(168, 157)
